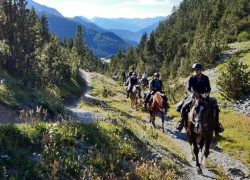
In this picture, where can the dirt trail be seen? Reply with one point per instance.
(80, 114)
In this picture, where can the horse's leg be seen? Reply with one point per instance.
(162, 119)
(196, 152)
(153, 121)
(206, 152)
(192, 157)
(150, 117)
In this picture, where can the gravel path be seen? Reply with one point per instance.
(80, 114)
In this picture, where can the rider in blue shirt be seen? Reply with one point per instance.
(155, 85)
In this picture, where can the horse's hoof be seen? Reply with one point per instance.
(163, 131)
(204, 162)
(192, 158)
(199, 171)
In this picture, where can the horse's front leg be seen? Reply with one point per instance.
(196, 152)
(206, 152)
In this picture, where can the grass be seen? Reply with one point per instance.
(236, 140)
(70, 150)
(52, 98)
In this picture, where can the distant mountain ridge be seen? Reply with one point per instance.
(100, 41)
(134, 36)
(41, 8)
(129, 24)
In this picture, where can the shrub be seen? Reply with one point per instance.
(234, 83)
(243, 36)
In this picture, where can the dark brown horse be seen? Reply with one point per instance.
(158, 107)
(204, 135)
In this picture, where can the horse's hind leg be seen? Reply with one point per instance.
(162, 119)
(153, 121)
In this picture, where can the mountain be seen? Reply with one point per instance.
(134, 24)
(134, 36)
(100, 41)
(42, 9)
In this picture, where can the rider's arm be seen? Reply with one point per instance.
(127, 82)
(151, 85)
(208, 86)
(190, 89)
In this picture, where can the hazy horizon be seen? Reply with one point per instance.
(112, 8)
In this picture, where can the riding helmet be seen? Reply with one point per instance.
(197, 66)
(156, 74)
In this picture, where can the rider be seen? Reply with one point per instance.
(199, 83)
(131, 71)
(123, 76)
(144, 80)
(155, 85)
(131, 82)
(115, 76)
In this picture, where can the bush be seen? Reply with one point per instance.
(234, 83)
(243, 36)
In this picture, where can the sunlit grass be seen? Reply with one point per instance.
(236, 138)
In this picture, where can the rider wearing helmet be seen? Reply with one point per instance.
(155, 85)
(198, 83)
(131, 82)
(131, 71)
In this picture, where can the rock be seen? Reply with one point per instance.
(5, 157)
(126, 165)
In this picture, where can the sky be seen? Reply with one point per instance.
(112, 8)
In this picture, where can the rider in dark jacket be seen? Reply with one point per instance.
(198, 83)
(131, 82)
(155, 85)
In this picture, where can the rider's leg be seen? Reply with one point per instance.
(148, 96)
(218, 126)
(184, 113)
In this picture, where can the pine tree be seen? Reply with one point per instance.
(234, 82)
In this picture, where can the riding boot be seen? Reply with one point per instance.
(146, 100)
(180, 125)
(218, 126)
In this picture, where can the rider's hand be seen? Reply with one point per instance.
(205, 95)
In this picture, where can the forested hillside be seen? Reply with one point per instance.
(35, 58)
(196, 31)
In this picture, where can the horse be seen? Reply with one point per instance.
(134, 97)
(157, 108)
(205, 133)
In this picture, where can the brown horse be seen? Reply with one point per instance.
(158, 107)
(134, 97)
(197, 140)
